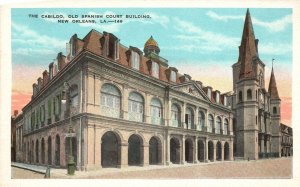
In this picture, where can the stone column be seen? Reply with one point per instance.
(97, 148)
(168, 107)
(124, 155)
(183, 150)
(146, 154)
(206, 150)
(183, 115)
(167, 150)
(97, 95)
(222, 148)
(196, 150)
(215, 152)
(147, 108)
(231, 150)
(196, 122)
(124, 107)
(262, 144)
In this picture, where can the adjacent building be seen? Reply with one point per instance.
(128, 107)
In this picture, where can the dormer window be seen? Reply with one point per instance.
(209, 93)
(155, 69)
(50, 71)
(173, 76)
(135, 60)
(217, 97)
(225, 100)
(116, 51)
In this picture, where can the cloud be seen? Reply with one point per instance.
(275, 48)
(196, 38)
(273, 26)
(32, 51)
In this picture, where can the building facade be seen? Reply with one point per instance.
(128, 107)
(286, 140)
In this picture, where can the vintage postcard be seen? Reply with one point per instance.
(114, 92)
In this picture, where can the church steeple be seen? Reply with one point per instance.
(248, 49)
(273, 87)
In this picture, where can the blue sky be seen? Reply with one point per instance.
(194, 40)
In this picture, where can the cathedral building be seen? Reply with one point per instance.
(128, 107)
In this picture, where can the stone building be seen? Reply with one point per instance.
(128, 107)
(286, 140)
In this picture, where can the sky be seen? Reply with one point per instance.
(201, 42)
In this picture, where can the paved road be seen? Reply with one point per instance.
(17, 173)
(269, 168)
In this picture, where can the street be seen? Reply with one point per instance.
(267, 168)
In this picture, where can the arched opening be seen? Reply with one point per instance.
(201, 151)
(226, 151)
(154, 151)
(37, 151)
(175, 115)
(110, 101)
(219, 151)
(211, 151)
(189, 151)
(43, 150)
(240, 96)
(249, 94)
(49, 150)
(210, 123)
(110, 150)
(175, 151)
(189, 118)
(156, 111)
(274, 110)
(57, 150)
(201, 120)
(218, 125)
(135, 107)
(74, 148)
(135, 151)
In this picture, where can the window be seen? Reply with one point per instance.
(249, 94)
(210, 123)
(110, 101)
(173, 76)
(225, 101)
(201, 120)
(155, 70)
(209, 93)
(217, 97)
(43, 114)
(225, 127)
(49, 109)
(218, 125)
(274, 110)
(116, 51)
(156, 112)
(175, 115)
(135, 60)
(135, 107)
(74, 97)
(189, 118)
(240, 96)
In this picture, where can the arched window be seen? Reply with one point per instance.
(175, 115)
(135, 107)
(240, 96)
(218, 125)
(274, 110)
(210, 123)
(249, 94)
(201, 120)
(156, 111)
(110, 101)
(225, 127)
(189, 118)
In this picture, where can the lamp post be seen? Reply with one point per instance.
(70, 134)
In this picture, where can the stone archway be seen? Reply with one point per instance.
(154, 151)
(201, 151)
(135, 150)
(219, 151)
(211, 151)
(189, 150)
(110, 150)
(226, 151)
(174, 151)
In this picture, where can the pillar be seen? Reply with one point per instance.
(147, 108)
(196, 124)
(262, 144)
(167, 150)
(231, 151)
(124, 154)
(168, 107)
(146, 154)
(222, 150)
(206, 150)
(183, 150)
(183, 115)
(97, 148)
(124, 109)
(215, 152)
(196, 150)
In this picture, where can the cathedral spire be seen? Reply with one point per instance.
(248, 49)
(273, 87)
